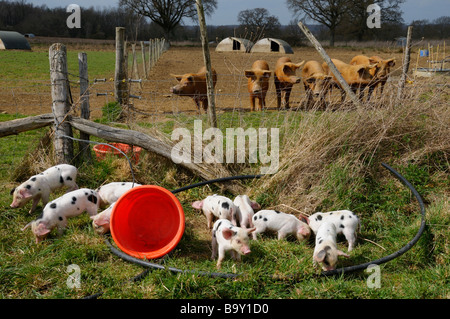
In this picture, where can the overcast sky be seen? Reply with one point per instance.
(227, 10)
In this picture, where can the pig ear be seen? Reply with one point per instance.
(310, 80)
(197, 204)
(12, 191)
(303, 218)
(178, 77)
(251, 230)
(249, 73)
(255, 206)
(41, 230)
(25, 193)
(267, 74)
(227, 233)
(391, 62)
(299, 65)
(320, 256)
(101, 221)
(341, 253)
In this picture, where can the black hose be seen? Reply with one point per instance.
(402, 250)
(339, 271)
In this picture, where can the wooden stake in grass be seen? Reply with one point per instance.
(406, 60)
(330, 63)
(209, 79)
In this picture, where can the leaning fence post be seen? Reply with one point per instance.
(406, 60)
(84, 103)
(209, 76)
(60, 96)
(330, 63)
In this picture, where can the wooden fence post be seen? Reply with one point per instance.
(84, 103)
(63, 147)
(144, 63)
(120, 79)
(209, 78)
(330, 63)
(406, 60)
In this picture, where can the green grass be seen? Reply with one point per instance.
(389, 214)
(34, 66)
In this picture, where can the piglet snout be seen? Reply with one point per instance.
(245, 250)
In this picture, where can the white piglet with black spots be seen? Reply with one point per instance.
(39, 187)
(281, 223)
(227, 237)
(326, 252)
(57, 212)
(345, 222)
(111, 192)
(218, 206)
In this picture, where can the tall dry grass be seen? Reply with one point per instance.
(344, 147)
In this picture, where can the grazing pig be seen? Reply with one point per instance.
(315, 81)
(282, 223)
(380, 72)
(57, 211)
(227, 237)
(345, 222)
(258, 83)
(39, 187)
(356, 76)
(326, 251)
(285, 78)
(111, 192)
(101, 221)
(245, 211)
(194, 85)
(218, 206)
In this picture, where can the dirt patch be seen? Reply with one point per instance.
(153, 98)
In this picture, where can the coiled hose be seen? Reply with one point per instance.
(339, 271)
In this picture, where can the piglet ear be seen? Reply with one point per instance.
(197, 204)
(101, 221)
(25, 193)
(303, 218)
(41, 230)
(255, 206)
(320, 256)
(251, 230)
(227, 233)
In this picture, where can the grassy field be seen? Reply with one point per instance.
(328, 160)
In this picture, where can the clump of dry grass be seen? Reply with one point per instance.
(355, 142)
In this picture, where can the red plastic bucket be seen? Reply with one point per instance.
(147, 222)
(102, 150)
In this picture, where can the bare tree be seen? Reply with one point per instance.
(327, 12)
(259, 22)
(168, 13)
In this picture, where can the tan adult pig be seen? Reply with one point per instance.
(194, 85)
(258, 83)
(285, 79)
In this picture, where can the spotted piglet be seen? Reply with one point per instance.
(227, 237)
(59, 210)
(111, 192)
(281, 223)
(326, 252)
(245, 211)
(39, 187)
(218, 206)
(345, 222)
(101, 221)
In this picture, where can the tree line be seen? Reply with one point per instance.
(329, 20)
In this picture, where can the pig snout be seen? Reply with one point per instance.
(245, 250)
